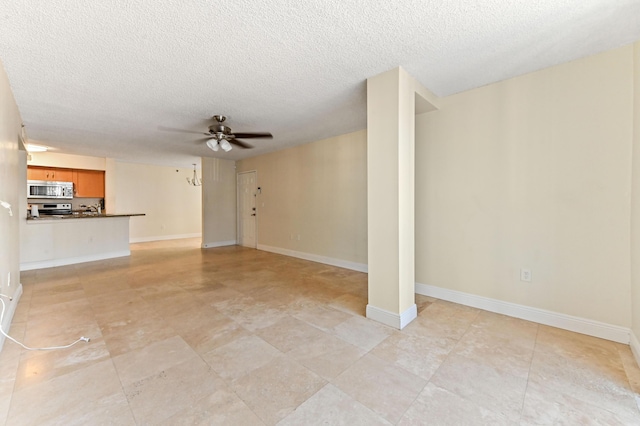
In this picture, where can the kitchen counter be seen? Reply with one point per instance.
(49, 241)
(80, 216)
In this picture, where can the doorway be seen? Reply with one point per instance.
(247, 209)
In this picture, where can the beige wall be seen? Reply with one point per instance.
(317, 191)
(635, 206)
(218, 202)
(12, 172)
(172, 207)
(533, 172)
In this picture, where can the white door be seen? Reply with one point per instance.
(247, 209)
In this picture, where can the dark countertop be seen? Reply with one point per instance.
(80, 216)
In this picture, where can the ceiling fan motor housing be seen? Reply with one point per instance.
(219, 128)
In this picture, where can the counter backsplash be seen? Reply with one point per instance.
(75, 203)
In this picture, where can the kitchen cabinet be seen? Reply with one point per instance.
(88, 183)
(50, 174)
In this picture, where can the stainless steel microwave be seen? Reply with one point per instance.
(48, 189)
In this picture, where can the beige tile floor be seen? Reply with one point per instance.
(234, 336)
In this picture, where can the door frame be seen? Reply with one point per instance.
(239, 213)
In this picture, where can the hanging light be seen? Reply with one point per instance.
(195, 181)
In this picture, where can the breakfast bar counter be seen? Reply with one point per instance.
(79, 216)
(57, 240)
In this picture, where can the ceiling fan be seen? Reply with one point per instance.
(221, 136)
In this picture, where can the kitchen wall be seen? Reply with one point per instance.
(12, 172)
(173, 208)
(68, 161)
(313, 202)
(533, 173)
(218, 202)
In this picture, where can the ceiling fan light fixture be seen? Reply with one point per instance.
(213, 144)
(220, 136)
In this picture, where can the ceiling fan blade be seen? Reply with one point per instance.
(202, 140)
(173, 129)
(241, 144)
(253, 135)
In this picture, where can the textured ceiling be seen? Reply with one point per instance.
(98, 78)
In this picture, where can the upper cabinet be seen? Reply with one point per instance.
(49, 173)
(88, 183)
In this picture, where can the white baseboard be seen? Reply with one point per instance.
(635, 347)
(219, 244)
(354, 266)
(541, 316)
(164, 237)
(8, 314)
(391, 319)
(72, 260)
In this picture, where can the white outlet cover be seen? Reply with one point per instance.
(525, 275)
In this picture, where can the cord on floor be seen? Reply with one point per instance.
(50, 348)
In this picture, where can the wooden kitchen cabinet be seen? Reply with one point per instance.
(88, 183)
(49, 173)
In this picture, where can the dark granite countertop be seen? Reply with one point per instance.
(80, 216)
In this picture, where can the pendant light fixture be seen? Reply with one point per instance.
(195, 181)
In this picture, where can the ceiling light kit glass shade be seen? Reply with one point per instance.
(195, 181)
(213, 144)
(218, 142)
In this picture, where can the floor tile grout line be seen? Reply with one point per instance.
(526, 388)
(124, 392)
(228, 385)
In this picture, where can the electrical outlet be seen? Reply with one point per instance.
(298, 237)
(525, 275)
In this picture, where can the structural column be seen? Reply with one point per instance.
(393, 98)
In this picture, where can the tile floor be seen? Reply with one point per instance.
(183, 336)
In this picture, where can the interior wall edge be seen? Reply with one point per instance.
(635, 347)
(397, 321)
(354, 266)
(8, 315)
(215, 244)
(586, 326)
(53, 263)
(164, 237)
